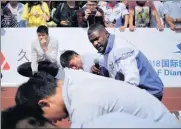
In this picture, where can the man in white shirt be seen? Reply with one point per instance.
(84, 97)
(44, 51)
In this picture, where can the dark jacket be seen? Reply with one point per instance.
(92, 19)
(64, 12)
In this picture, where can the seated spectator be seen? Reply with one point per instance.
(36, 13)
(173, 14)
(44, 52)
(161, 12)
(115, 13)
(140, 14)
(90, 14)
(17, 117)
(7, 18)
(66, 14)
(16, 9)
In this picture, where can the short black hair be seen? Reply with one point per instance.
(66, 57)
(40, 86)
(95, 27)
(42, 29)
(21, 116)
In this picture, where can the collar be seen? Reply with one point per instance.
(110, 43)
(19, 6)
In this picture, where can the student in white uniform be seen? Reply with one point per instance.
(84, 97)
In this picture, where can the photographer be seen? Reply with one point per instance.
(90, 14)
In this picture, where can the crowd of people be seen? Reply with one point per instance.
(113, 14)
(121, 90)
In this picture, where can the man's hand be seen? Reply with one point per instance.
(95, 70)
(160, 27)
(122, 28)
(172, 27)
(87, 13)
(132, 28)
(172, 19)
(44, 44)
(64, 22)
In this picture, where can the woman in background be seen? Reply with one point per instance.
(36, 13)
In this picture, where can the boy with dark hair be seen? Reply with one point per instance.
(67, 59)
(24, 117)
(72, 59)
(44, 52)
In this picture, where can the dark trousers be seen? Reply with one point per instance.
(46, 66)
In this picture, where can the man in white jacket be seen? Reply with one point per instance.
(124, 61)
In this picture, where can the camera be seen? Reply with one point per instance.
(93, 13)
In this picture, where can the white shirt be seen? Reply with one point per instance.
(88, 96)
(38, 55)
(173, 10)
(117, 13)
